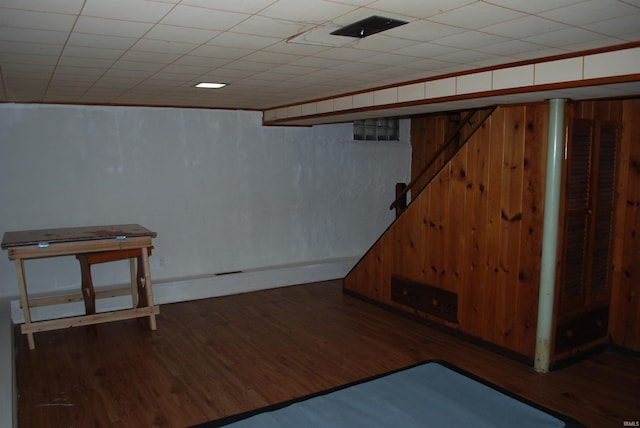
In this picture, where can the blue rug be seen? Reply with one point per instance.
(430, 394)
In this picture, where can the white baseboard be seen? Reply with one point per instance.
(205, 286)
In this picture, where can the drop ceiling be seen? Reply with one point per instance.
(273, 53)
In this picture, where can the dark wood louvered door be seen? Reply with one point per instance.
(583, 305)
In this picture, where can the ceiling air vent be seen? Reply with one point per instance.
(368, 26)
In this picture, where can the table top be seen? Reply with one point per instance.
(73, 234)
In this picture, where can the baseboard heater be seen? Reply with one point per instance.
(424, 297)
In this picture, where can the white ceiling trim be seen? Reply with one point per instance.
(616, 65)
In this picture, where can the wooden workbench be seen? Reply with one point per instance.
(104, 243)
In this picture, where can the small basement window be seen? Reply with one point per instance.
(387, 129)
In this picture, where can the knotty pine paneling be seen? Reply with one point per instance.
(475, 231)
(430, 132)
(624, 321)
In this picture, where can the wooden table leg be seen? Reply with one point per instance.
(135, 281)
(88, 293)
(143, 302)
(147, 286)
(24, 300)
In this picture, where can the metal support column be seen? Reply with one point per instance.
(555, 150)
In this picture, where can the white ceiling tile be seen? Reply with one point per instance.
(563, 38)
(129, 10)
(220, 52)
(198, 17)
(190, 71)
(200, 61)
(92, 52)
(536, 6)
(359, 69)
(512, 48)
(271, 58)
(591, 44)
(243, 41)
(293, 70)
(36, 20)
(169, 78)
(241, 6)
(71, 7)
(476, 15)
(21, 58)
(81, 74)
(316, 12)
(70, 61)
(470, 40)
(524, 27)
(251, 66)
(29, 71)
(468, 57)
(316, 62)
(424, 31)
(270, 27)
(225, 75)
(260, 79)
(29, 48)
(332, 74)
(173, 33)
(123, 77)
(345, 54)
(387, 59)
(138, 66)
(110, 27)
(617, 27)
(600, 10)
(425, 65)
(154, 57)
(295, 48)
(163, 46)
(425, 50)
(100, 41)
(383, 43)
(33, 36)
(422, 9)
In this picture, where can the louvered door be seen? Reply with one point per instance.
(589, 199)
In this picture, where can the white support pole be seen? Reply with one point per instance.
(546, 294)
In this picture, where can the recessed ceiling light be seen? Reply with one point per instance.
(210, 85)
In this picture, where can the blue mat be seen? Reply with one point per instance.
(431, 394)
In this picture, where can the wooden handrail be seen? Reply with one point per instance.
(467, 119)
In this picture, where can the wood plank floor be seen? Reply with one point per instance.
(216, 357)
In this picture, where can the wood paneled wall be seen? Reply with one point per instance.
(624, 320)
(624, 316)
(476, 231)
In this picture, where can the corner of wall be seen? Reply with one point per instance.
(8, 386)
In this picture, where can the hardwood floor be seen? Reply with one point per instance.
(216, 357)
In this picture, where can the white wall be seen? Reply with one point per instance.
(223, 192)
